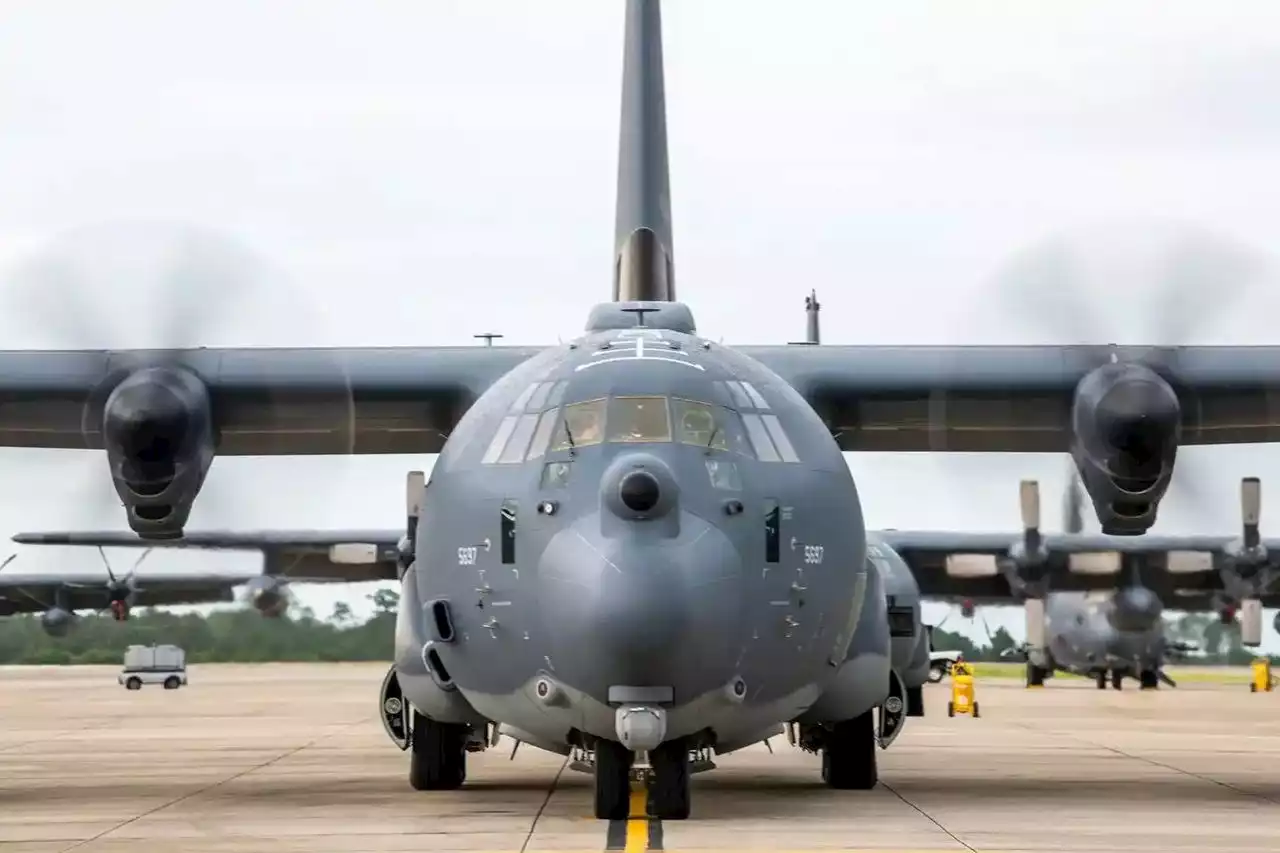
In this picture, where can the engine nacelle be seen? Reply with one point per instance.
(270, 595)
(57, 622)
(157, 426)
(1126, 424)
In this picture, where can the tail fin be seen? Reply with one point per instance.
(644, 268)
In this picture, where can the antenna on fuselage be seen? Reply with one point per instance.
(487, 337)
(812, 333)
(640, 311)
(644, 263)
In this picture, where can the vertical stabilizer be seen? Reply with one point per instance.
(644, 269)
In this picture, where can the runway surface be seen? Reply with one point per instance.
(293, 758)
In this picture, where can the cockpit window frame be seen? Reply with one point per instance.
(667, 437)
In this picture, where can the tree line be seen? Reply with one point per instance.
(245, 636)
(235, 636)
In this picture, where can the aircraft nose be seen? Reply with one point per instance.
(1136, 609)
(639, 487)
(640, 610)
(639, 491)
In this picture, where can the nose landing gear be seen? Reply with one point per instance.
(668, 794)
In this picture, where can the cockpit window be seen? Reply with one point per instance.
(740, 398)
(757, 399)
(581, 426)
(518, 443)
(539, 397)
(724, 474)
(760, 438)
(499, 440)
(517, 405)
(705, 425)
(780, 440)
(542, 435)
(638, 419)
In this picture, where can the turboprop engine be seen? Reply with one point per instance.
(57, 622)
(270, 595)
(1126, 422)
(158, 431)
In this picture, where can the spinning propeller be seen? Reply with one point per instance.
(121, 591)
(167, 285)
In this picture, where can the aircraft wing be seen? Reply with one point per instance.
(349, 556)
(406, 400)
(1015, 398)
(1187, 572)
(36, 592)
(265, 401)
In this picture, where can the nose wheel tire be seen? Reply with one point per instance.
(1148, 680)
(669, 792)
(613, 780)
(1035, 675)
(849, 755)
(438, 760)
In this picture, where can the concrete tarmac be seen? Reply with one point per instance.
(280, 757)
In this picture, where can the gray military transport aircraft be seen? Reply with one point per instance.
(643, 542)
(59, 595)
(1084, 639)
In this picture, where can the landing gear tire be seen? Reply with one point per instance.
(669, 792)
(613, 780)
(915, 701)
(1148, 680)
(1035, 675)
(936, 673)
(1117, 679)
(1101, 678)
(438, 757)
(849, 755)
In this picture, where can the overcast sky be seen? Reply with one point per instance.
(416, 173)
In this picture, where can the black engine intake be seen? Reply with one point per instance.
(158, 432)
(1126, 423)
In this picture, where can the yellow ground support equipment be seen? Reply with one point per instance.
(1263, 680)
(962, 701)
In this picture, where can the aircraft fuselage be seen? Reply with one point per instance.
(639, 520)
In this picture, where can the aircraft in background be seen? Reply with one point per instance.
(1084, 640)
(643, 545)
(59, 595)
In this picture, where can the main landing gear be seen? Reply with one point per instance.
(669, 794)
(848, 751)
(1036, 675)
(438, 760)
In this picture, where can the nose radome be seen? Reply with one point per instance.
(639, 487)
(639, 491)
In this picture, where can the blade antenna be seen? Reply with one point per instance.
(7, 560)
(644, 266)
